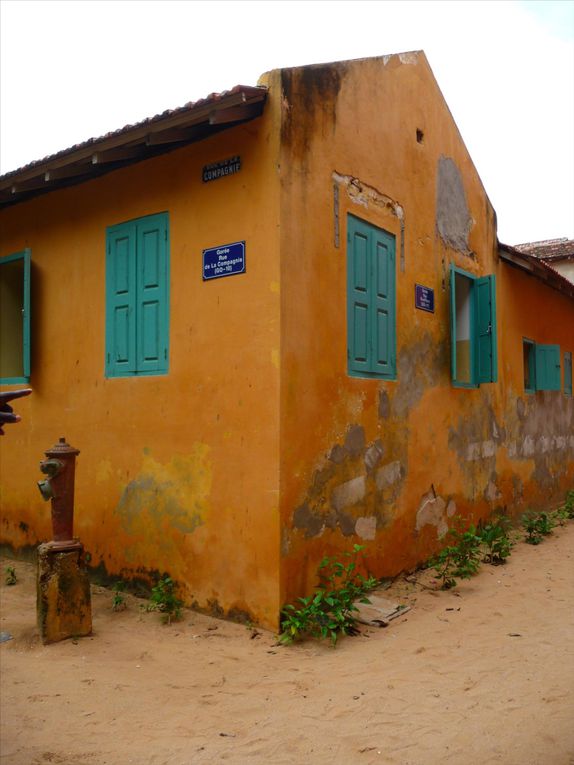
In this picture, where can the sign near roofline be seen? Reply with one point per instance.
(225, 260)
(220, 169)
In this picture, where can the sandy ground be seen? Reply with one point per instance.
(483, 674)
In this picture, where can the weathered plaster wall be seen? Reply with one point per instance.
(177, 473)
(389, 464)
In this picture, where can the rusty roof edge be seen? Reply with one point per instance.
(240, 94)
(537, 268)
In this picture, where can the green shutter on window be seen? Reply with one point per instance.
(485, 300)
(152, 294)
(371, 301)
(547, 367)
(568, 373)
(26, 315)
(121, 284)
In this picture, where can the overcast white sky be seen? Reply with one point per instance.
(71, 70)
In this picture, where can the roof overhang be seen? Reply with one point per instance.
(133, 143)
(536, 268)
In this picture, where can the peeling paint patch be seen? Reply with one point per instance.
(409, 58)
(366, 527)
(453, 221)
(374, 455)
(174, 495)
(491, 493)
(362, 194)
(433, 511)
(348, 493)
(388, 475)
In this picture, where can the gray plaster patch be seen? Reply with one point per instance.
(348, 493)
(384, 405)
(453, 221)
(373, 455)
(307, 521)
(388, 475)
(355, 440)
(432, 511)
(491, 493)
(337, 454)
(366, 527)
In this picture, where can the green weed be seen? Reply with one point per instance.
(10, 577)
(164, 599)
(460, 560)
(495, 538)
(537, 526)
(119, 599)
(330, 612)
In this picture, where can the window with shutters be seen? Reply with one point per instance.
(473, 328)
(137, 297)
(15, 318)
(542, 366)
(371, 301)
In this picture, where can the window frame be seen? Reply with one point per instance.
(352, 370)
(133, 229)
(26, 256)
(531, 364)
(474, 334)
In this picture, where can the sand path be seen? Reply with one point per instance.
(483, 674)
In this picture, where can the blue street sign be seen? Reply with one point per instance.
(424, 298)
(225, 260)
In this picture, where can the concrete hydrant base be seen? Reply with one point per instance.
(64, 606)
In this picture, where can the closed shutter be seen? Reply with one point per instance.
(383, 313)
(568, 373)
(152, 294)
(547, 367)
(121, 286)
(359, 324)
(371, 302)
(485, 293)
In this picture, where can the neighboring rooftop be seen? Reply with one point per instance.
(536, 266)
(548, 249)
(132, 143)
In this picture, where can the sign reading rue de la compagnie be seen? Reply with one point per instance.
(424, 298)
(217, 170)
(225, 260)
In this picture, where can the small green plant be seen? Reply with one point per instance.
(10, 575)
(119, 599)
(164, 599)
(460, 560)
(537, 525)
(569, 505)
(331, 611)
(495, 538)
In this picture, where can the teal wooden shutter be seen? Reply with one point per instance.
(383, 303)
(152, 294)
(485, 302)
(121, 300)
(568, 373)
(26, 315)
(547, 367)
(359, 296)
(452, 322)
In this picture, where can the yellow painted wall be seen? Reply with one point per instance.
(178, 473)
(388, 464)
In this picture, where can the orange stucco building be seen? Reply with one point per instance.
(362, 363)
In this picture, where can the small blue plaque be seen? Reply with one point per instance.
(225, 260)
(424, 298)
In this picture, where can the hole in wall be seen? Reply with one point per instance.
(420, 135)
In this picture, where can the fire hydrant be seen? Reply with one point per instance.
(63, 602)
(60, 469)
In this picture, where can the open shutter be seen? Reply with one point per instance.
(547, 367)
(26, 315)
(452, 322)
(485, 301)
(120, 300)
(383, 302)
(359, 298)
(568, 373)
(152, 294)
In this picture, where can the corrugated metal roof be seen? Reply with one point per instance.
(133, 143)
